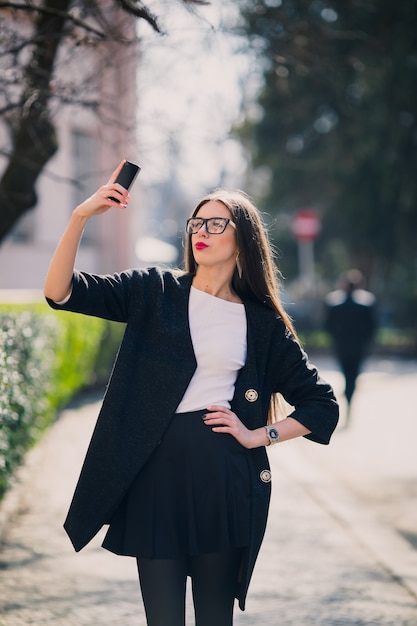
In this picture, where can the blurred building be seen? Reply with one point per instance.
(93, 138)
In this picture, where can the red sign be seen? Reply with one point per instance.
(306, 225)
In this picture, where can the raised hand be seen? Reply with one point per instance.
(107, 196)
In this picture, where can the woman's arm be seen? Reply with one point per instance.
(223, 420)
(59, 277)
(287, 428)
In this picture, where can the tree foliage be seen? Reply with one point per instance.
(338, 128)
(32, 81)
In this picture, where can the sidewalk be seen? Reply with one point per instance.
(328, 559)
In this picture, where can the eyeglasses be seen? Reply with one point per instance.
(214, 225)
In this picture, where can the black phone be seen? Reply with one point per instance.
(126, 176)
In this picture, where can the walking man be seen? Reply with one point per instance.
(351, 322)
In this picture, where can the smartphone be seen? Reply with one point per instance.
(127, 176)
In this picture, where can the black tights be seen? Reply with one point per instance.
(214, 581)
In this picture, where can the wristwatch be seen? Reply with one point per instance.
(272, 434)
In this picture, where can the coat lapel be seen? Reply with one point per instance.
(249, 399)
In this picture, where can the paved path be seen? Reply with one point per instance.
(338, 550)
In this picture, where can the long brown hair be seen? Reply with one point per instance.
(260, 277)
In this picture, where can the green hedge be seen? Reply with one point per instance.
(46, 357)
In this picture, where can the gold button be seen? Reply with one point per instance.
(251, 395)
(265, 476)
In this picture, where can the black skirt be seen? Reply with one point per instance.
(192, 497)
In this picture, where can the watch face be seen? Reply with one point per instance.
(273, 433)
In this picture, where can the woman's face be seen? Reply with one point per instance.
(211, 250)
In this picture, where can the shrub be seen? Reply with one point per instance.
(45, 358)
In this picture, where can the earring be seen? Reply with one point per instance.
(238, 266)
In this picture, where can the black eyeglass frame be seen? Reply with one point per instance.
(205, 221)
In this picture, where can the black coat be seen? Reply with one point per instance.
(153, 368)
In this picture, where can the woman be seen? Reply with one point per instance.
(177, 464)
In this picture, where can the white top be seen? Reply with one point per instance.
(218, 333)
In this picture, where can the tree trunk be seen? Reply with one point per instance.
(33, 134)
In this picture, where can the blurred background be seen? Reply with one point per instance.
(309, 106)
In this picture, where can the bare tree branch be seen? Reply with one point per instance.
(138, 9)
(53, 11)
(34, 138)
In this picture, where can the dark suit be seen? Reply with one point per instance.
(154, 367)
(351, 321)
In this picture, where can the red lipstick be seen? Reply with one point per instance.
(200, 245)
